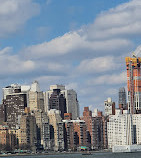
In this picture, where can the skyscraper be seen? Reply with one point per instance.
(14, 106)
(13, 88)
(72, 105)
(57, 132)
(35, 97)
(57, 101)
(122, 98)
(133, 84)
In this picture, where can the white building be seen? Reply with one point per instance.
(137, 128)
(10, 89)
(95, 113)
(109, 107)
(72, 104)
(120, 129)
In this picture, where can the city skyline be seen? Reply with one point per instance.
(81, 45)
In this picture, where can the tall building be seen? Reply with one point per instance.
(57, 101)
(133, 84)
(35, 97)
(87, 117)
(13, 88)
(109, 107)
(43, 132)
(95, 129)
(120, 129)
(80, 137)
(57, 130)
(72, 105)
(137, 128)
(105, 120)
(28, 131)
(69, 135)
(122, 99)
(14, 106)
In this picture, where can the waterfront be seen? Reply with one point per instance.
(94, 155)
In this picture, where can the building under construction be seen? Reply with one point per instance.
(134, 83)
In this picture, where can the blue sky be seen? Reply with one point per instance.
(79, 43)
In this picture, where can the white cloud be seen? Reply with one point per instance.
(124, 20)
(14, 14)
(73, 42)
(108, 33)
(112, 79)
(12, 64)
(58, 46)
(100, 64)
(6, 50)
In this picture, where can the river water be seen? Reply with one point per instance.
(94, 155)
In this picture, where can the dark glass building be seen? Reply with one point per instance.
(122, 98)
(57, 101)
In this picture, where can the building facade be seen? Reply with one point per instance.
(28, 130)
(57, 130)
(57, 101)
(109, 107)
(134, 84)
(122, 99)
(72, 105)
(14, 106)
(120, 129)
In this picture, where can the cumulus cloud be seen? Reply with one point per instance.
(110, 32)
(71, 43)
(100, 64)
(12, 64)
(112, 79)
(122, 21)
(14, 14)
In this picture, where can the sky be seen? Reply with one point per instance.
(81, 44)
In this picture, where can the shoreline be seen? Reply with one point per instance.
(52, 153)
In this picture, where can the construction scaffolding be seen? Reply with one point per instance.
(133, 83)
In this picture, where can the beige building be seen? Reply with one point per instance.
(4, 136)
(35, 97)
(57, 143)
(28, 136)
